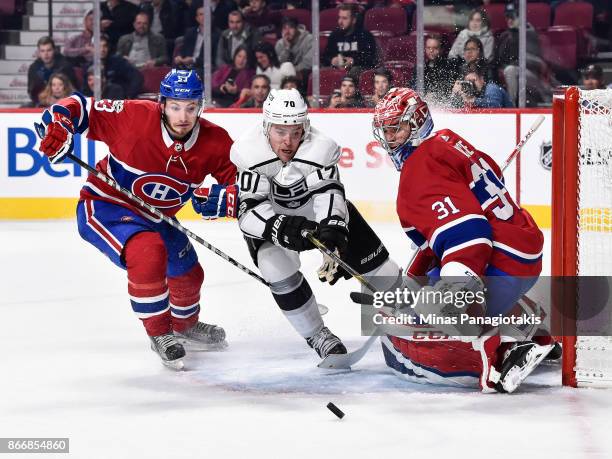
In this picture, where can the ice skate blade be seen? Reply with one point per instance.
(176, 365)
(197, 346)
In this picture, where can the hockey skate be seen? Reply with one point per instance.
(169, 350)
(202, 337)
(326, 343)
(519, 361)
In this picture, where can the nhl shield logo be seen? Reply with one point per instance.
(178, 147)
(546, 155)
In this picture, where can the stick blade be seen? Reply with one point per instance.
(346, 361)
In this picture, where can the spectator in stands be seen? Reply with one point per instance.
(164, 20)
(347, 96)
(349, 46)
(473, 52)
(295, 46)
(474, 92)
(230, 79)
(256, 95)
(117, 70)
(593, 78)
(238, 34)
(79, 48)
(383, 80)
(261, 18)
(290, 82)
(268, 64)
(221, 10)
(58, 87)
(192, 51)
(142, 48)
(109, 90)
(478, 26)
(49, 61)
(438, 73)
(506, 61)
(117, 19)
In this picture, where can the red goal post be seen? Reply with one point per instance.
(581, 223)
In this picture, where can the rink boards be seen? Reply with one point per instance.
(31, 188)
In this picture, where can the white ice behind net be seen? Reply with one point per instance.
(594, 353)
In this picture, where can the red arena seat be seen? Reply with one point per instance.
(400, 48)
(576, 14)
(330, 79)
(328, 19)
(538, 15)
(560, 46)
(497, 19)
(391, 20)
(153, 77)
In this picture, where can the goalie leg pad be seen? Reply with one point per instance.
(145, 259)
(185, 298)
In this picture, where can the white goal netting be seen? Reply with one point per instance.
(594, 353)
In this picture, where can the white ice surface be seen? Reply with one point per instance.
(76, 363)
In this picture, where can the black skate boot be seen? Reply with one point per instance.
(202, 337)
(519, 361)
(326, 343)
(169, 349)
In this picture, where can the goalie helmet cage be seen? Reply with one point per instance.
(582, 223)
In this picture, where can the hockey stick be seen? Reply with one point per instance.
(346, 361)
(174, 223)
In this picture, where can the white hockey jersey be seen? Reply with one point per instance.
(308, 185)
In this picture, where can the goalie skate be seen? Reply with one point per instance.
(326, 343)
(519, 361)
(169, 350)
(202, 337)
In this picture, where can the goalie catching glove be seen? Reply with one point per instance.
(333, 233)
(56, 132)
(216, 202)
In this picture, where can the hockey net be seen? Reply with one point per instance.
(582, 224)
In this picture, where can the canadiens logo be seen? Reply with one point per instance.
(160, 190)
(546, 155)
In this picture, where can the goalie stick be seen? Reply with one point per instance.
(345, 361)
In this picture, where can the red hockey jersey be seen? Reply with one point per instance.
(453, 205)
(143, 156)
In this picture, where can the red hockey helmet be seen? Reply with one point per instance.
(398, 107)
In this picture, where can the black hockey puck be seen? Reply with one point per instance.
(334, 409)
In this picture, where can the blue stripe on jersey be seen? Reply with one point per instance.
(417, 238)
(84, 124)
(149, 308)
(468, 230)
(183, 313)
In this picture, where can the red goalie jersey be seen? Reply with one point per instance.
(453, 205)
(144, 158)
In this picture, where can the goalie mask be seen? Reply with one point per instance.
(285, 107)
(401, 108)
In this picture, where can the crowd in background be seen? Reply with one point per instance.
(256, 48)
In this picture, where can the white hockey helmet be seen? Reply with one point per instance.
(285, 106)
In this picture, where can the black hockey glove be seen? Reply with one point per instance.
(286, 231)
(333, 232)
